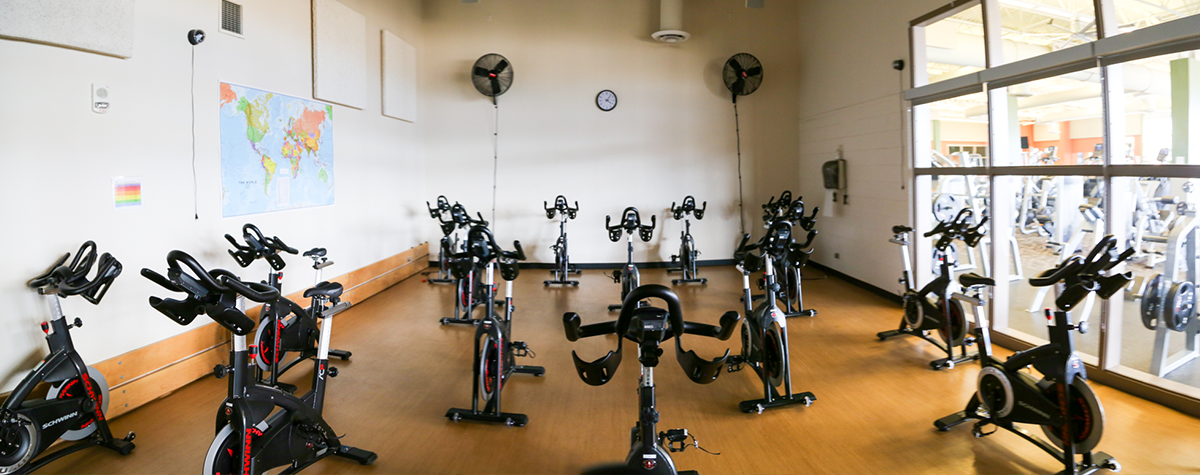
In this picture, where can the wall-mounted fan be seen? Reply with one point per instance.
(492, 75)
(742, 74)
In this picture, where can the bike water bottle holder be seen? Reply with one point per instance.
(614, 235)
(509, 269)
(646, 233)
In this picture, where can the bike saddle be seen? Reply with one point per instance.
(901, 229)
(972, 279)
(332, 290)
(316, 251)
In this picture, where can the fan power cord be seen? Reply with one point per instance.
(741, 199)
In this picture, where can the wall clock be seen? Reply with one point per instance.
(606, 100)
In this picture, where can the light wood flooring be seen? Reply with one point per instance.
(876, 401)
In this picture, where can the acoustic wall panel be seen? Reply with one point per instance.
(98, 26)
(339, 54)
(399, 78)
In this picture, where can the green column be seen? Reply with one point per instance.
(1185, 109)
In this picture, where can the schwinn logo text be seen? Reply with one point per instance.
(61, 419)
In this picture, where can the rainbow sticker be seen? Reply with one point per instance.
(127, 192)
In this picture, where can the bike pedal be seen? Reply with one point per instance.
(676, 439)
(520, 349)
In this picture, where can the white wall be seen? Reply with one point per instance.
(850, 97)
(672, 133)
(59, 157)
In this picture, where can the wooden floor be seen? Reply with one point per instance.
(875, 410)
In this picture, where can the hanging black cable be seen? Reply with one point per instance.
(195, 193)
(741, 200)
(495, 161)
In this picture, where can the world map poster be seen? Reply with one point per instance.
(276, 152)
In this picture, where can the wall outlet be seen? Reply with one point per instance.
(837, 256)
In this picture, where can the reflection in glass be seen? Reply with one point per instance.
(1159, 100)
(1036, 27)
(1159, 330)
(958, 140)
(1137, 14)
(954, 46)
(1056, 217)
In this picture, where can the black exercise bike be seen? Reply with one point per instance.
(687, 247)
(1006, 395)
(469, 291)
(764, 331)
(447, 244)
(281, 330)
(648, 327)
(75, 402)
(562, 262)
(495, 352)
(789, 269)
(631, 222)
(258, 427)
(943, 315)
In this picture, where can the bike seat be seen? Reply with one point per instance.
(316, 251)
(972, 279)
(900, 229)
(326, 289)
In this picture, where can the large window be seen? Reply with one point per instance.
(1061, 132)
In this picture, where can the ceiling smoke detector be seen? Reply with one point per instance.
(670, 22)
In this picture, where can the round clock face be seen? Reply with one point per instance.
(606, 100)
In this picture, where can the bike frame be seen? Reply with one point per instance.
(54, 417)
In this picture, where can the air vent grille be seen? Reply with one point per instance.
(231, 17)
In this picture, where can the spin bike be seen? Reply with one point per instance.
(562, 263)
(495, 352)
(687, 247)
(631, 222)
(789, 268)
(282, 330)
(447, 244)
(468, 291)
(944, 315)
(77, 398)
(1006, 395)
(648, 327)
(764, 331)
(252, 436)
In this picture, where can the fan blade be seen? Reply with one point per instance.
(739, 85)
(501, 66)
(481, 72)
(755, 71)
(737, 68)
(495, 86)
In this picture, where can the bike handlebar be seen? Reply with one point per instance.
(208, 292)
(68, 280)
(1084, 275)
(631, 221)
(560, 207)
(259, 246)
(698, 369)
(443, 205)
(688, 206)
